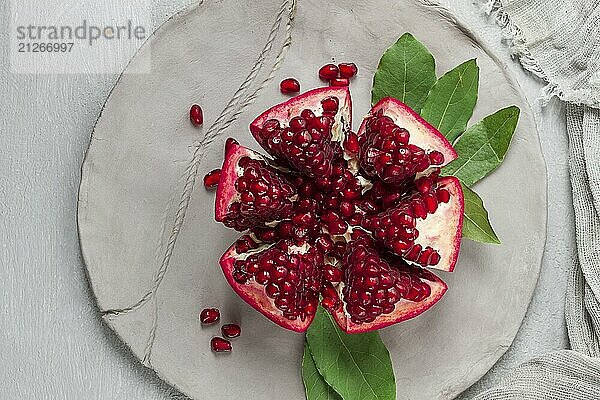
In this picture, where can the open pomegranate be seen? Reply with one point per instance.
(348, 220)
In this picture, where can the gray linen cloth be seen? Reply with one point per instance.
(559, 41)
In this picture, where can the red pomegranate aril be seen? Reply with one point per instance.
(351, 144)
(328, 71)
(209, 315)
(289, 85)
(339, 82)
(436, 158)
(348, 70)
(332, 274)
(196, 115)
(443, 195)
(231, 331)
(220, 345)
(211, 180)
(297, 124)
(330, 104)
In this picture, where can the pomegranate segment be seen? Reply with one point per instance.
(250, 191)
(282, 281)
(305, 132)
(409, 129)
(378, 293)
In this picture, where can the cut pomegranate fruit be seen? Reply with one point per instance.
(211, 180)
(209, 315)
(305, 132)
(342, 219)
(231, 331)
(328, 72)
(348, 70)
(220, 345)
(377, 293)
(282, 281)
(397, 143)
(289, 85)
(196, 115)
(250, 192)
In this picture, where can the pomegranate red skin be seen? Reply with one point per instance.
(231, 331)
(196, 115)
(211, 180)
(289, 85)
(209, 316)
(220, 345)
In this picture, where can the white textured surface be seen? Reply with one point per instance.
(54, 345)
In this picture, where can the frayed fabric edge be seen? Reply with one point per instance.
(519, 48)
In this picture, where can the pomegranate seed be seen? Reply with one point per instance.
(196, 116)
(348, 70)
(328, 71)
(330, 104)
(209, 315)
(289, 85)
(339, 82)
(211, 180)
(443, 196)
(220, 345)
(231, 330)
(351, 144)
(436, 158)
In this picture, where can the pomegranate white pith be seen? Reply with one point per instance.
(346, 219)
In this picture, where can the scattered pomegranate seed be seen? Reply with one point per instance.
(348, 70)
(196, 115)
(339, 82)
(209, 315)
(328, 71)
(289, 85)
(231, 330)
(211, 180)
(220, 345)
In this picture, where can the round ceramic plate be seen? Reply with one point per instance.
(151, 245)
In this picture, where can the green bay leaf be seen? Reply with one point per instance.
(314, 384)
(476, 225)
(356, 366)
(481, 149)
(451, 101)
(406, 72)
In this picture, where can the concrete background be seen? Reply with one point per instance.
(53, 343)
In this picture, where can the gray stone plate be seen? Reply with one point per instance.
(148, 237)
